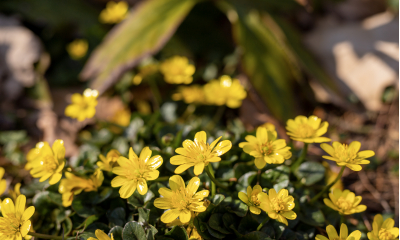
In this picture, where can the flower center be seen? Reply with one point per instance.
(199, 152)
(255, 201)
(267, 148)
(345, 154)
(384, 234)
(181, 199)
(49, 163)
(278, 205)
(343, 204)
(305, 131)
(12, 227)
(137, 171)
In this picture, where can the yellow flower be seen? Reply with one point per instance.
(330, 176)
(16, 192)
(101, 236)
(114, 12)
(266, 148)
(254, 198)
(82, 106)
(383, 230)
(345, 202)
(199, 153)
(308, 130)
(73, 185)
(135, 172)
(15, 223)
(347, 155)
(270, 127)
(177, 70)
(110, 161)
(122, 117)
(181, 200)
(147, 68)
(344, 234)
(33, 154)
(77, 49)
(225, 91)
(3, 182)
(50, 163)
(279, 206)
(190, 94)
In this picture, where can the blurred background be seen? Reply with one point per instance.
(336, 59)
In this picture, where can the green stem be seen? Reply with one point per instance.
(342, 219)
(261, 224)
(216, 118)
(210, 173)
(156, 93)
(326, 188)
(303, 155)
(189, 111)
(44, 236)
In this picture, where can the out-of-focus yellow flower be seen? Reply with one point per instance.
(101, 236)
(50, 163)
(83, 106)
(199, 153)
(73, 185)
(177, 70)
(114, 12)
(225, 91)
(135, 172)
(181, 200)
(383, 230)
(107, 163)
(344, 234)
(143, 107)
(279, 206)
(347, 155)
(122, 117)
(254, 198)
(33, 154)
(145, 70)
(15, 223)
(3, 182)
(345, 202)
(308, 130)
(190, 94)
(77, 49)
(330, 176)
(16, 192)
(266, 148)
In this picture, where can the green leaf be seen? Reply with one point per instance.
(103, 195)
(88, 221)
(138, 200)
(144, 215)
(266, 62)
(86, 235)
(256, 235)
(116, 217)
(248, 179)
(310, 173)
(311, 215)
(133, 231)
(178, 233)
(238, 207)
(276, 178)
(202, 228)
(83, 207)
(67, 225)
(144, 32)
(216, 223)
(230, 219)
(151, 231)
(218, 198)
(116, 232)
(248, 224)
(215, 233)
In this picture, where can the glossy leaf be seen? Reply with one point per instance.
(133, 231)
(310, 173)
(177, 233)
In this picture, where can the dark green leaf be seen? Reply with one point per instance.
(238, 207)
(103, 195)
(116, 217)
(216, 223)
(178, 233)
(144, 215)
(310, 173)
(218, 198)
(215, 233)
(133, 231)
(247, 224)
(257, 235)
(116, 232)
(202, 228)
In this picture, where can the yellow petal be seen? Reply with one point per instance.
(320, 237)
(366, 154)
(176, 182)
(354, 167)
(152, 175)
(278, 144)
(198, 168)
(28, 213)
(59, 149)
(289, 215)
(327, 148)
(145, 154)
(272, 194)
(222, 147)
(184, 216)
(354, 146)
(155, 162)
(201, 194)
(331, 231)
(319, 139)
(356, 235)
(257, 188)
(255, 210)
(260, 162)
(20, 206)
(212, 145)
(142, 186)
(170, 215)
(26, 226)
(314, 122)
(178, 160)
(183, 168)
(101, 235)
(323, 128)
(330, 204)
(132, 154)
(262, 134)
(282, 219)
(388, 223)
(163, 203)
(394, 231)
(1, 172)
(200, 137)
(165, 192)
(3, 186)
(283, 193)
(118, 181)
(193, 185)
(242, 196)
(378, 219)
(7, 207)
(343, 231)
(128, 189)
(55, 178)
(214, 159)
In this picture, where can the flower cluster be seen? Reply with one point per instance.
(114, 12)
(78, 48)
(82, 106)
(177, 70)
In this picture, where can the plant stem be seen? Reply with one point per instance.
(44, 236)
(210, 173)
(326, 188)
(156, 93)
(303, 155)
(216, 118)
(261, 224)
(342, 219)
(189, 111)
